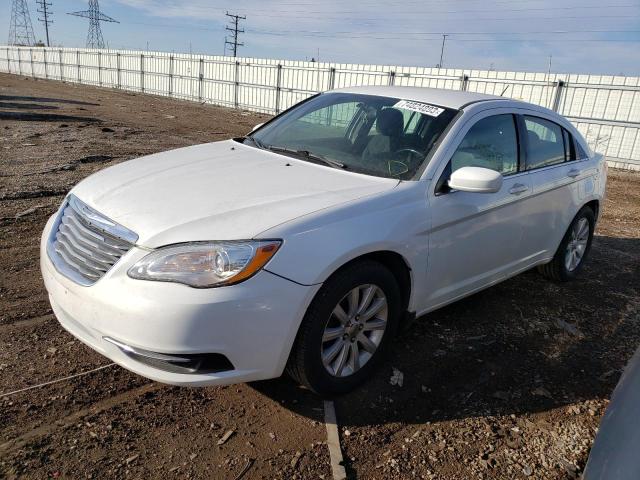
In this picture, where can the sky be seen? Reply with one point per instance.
(580, 36)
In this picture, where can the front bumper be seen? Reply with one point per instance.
(253, 324)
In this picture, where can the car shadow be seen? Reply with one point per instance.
(44, 117)
(19, 98)
(26, 106)
(523, 346)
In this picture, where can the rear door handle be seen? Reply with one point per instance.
(518, 188)
(573, 173)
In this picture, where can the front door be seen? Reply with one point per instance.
(475, 237)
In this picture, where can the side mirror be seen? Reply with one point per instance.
(476, 179)
(257, 127)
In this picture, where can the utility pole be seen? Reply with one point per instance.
(234, 29)
(20, 28)
(43, 4)
(444, 38)
(95, 16)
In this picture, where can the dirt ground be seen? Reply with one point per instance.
(509, 383)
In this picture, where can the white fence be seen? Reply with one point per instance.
(606, 109)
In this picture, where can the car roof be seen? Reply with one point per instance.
(456, 99)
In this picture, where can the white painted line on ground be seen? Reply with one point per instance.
(56, 381)
(333, 441)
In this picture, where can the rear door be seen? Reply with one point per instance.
(559, 180)
(475, 237)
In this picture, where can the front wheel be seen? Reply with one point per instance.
(346, 329)
(573, 249)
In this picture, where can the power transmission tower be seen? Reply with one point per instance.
(95, 16)
(20, 29)
(234, 28)
(43, 4)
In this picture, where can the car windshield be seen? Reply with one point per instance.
(381, 136)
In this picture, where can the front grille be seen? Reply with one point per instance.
(85, 244)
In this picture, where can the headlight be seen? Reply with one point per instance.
(209, 264)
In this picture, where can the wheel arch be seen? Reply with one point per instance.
(396, 264)
(594, 205)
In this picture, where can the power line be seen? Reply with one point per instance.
(343, 14)
(361, 34)
(95, 16)
(20, 28)
(404, 32)
(43, 4)
(234, 29)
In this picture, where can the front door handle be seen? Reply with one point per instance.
(573, 173)
(518, 188)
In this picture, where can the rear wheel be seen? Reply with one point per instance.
(346, 329)
(573, 249)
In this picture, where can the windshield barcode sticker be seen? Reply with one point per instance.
(424, 108)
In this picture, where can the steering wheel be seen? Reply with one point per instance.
(411, 151)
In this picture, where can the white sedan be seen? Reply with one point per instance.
(305, 245)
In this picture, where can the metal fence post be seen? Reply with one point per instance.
(8, 61)
(78, 63)
(392, 77)
(19, 62)
(278, 88)
(171, 75)
(61, 65)
(332, 78)
(100, 68)
(33, 72)
(200, 78)
(119, 84)
(464, 82)
(142, 72)
(557, 95)
(236, 92)
(44, 57)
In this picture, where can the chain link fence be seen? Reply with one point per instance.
(606, 109)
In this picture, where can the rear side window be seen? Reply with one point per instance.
(544, 143)
(580, 153)
(490, 143)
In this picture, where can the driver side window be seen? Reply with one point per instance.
(490, 143)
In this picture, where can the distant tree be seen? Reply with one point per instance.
(39, 43)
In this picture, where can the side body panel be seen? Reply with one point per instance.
(559, 191)
(476, 238)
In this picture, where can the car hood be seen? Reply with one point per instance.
(217, 191)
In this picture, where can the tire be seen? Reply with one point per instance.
(323, 332)
(558, 268)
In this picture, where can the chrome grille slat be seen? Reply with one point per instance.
(81, 259)
(91, 249)
(84, 244)
(78, 266)
(96, 236)
(105, 237)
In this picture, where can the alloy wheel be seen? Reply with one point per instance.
(354, 330)
(577, 245)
